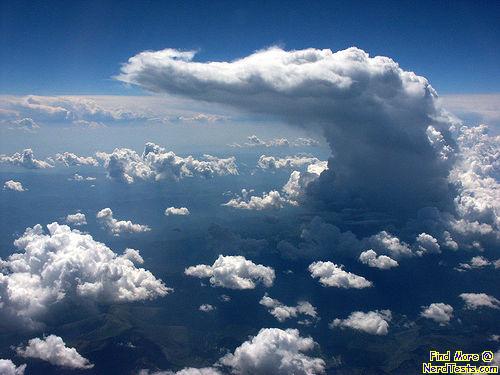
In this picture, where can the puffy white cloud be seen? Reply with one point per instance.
(296, 161)
(382, 262)
(390, 244)
(274, 351)
(476, 262)
(427, 244)
(76, 219)
(283, 312)
(69, 159)
(26, 159)
(157, 164)
(372, 113)
(296, 186)
(206, 307)
(439, 312)
(53, 350)
(475, 175)
(117, 227)
(477, 300)
(373, 322)
(330, 274)
(182, 211)
(65, 262)
(13, 185)
(233, 272)
(271, 200)
(7, 367)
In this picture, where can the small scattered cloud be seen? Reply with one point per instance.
(174, 211)
(332, 275)
(13, 186)
(382, 262)
(25, 159)
(439, 312)
(233, 272)
(53, 350)
(372, 322)
(118, 227)
(283, 312)
(7, 367)
(474, 301)
(206, 307)
(76, 219)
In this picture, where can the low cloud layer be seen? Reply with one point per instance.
(373, 322)
(25, 159)
(53, 350)
(64, 262)
(233, 272)
(156, 163)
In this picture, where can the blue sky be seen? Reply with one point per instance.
(60, 47)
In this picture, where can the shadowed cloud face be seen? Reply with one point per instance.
(374, 115)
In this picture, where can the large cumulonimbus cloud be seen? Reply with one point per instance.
(381, 121)
(158, 164)
(67, 263)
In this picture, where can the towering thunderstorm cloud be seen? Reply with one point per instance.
(390, 140)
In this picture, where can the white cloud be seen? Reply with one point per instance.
(330, 274)
(182, 211)
(53, 350)
(477, 300)
(69, 159)
(65, 262)
(157, 164)
(254, 141)
(7, 367)
(274, 351)
(233, 272)
(271, 200)
(373, 322)
(475, 175)
(427, 244)
(76, 219)
(296, 161)
(439, 312)
(382, 262)
(25, 159)
(283, 312)
(13, 185)
(202, 117)
(118, 227)
(206, 307)
(391, 245)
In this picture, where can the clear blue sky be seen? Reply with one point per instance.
(74, 47)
